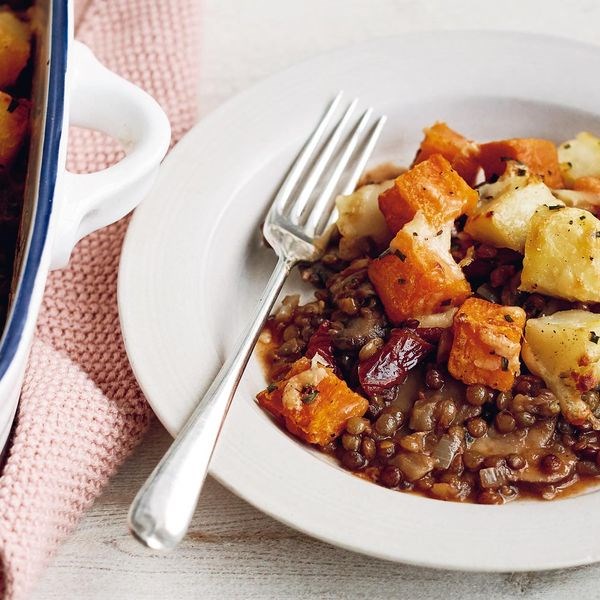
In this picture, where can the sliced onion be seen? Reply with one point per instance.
(445, 451)
(492, 477)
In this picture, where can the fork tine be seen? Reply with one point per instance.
(359, 166)
(303, 197)
(324, 199)
(295, 173)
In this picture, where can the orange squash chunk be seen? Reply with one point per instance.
(463, 154)
(433, 187)
(417, 278)
(587, 184)
(313, 402)
(487, 344)
(539, 155)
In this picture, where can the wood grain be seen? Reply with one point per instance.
(234, 551)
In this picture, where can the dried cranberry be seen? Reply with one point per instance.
(389, 367)
(320, 342)
(430, 334)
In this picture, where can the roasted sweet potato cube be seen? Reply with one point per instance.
(432, 187)
(539, 155)
(461, 153)
(587, 184)
(14, 48)
(418, 276)
(14, 123)
(487, 343)
(313, 402)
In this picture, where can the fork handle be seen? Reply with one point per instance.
(161, 512)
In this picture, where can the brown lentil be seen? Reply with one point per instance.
(391, 476)
(505, 422)
(502, 400)
(386, 449)
(477, 394)
(425, 483)
(477, 427)
(351, 442)
(490, 497)
(368, 448)
(386, 424)
(353, 460)
(515, 461)
(356, 425)
(447, 413)
(524, 419)
(472, 460)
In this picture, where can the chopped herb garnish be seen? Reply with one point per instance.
(446, 302)
(310, 397)
(271, 387)
(508, 318)
(569, 164)
(593, 337)
(415, 233)
(566, 146)
(385, 252)
(582, 218)
(13, 105)
(555, 207)
(400, 255)
(439, 232)
(570, 223)
(504, 363)
(521, 172)
(598, 234)
(401, 281)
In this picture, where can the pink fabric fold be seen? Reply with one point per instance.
(81, 412)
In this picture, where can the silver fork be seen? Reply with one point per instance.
(296, 227)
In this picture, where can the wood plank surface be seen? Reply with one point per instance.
(234, 551)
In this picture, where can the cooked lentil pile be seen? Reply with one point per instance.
(463, 402)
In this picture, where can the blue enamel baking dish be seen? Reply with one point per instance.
(70, 87)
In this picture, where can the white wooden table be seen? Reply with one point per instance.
(234, 551)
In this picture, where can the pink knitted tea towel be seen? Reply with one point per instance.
(81, 412)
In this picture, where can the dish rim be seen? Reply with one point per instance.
(45, 180)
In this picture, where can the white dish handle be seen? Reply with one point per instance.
(101, 100)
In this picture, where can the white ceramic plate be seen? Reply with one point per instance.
(193, 267)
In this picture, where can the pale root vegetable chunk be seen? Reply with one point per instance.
(14, 123)
(505, 208)
(14, 48)
(359, 214)
(579, 158)
(487, 344)
(586, 200)
(562, 254)
(564, 350)
(419, 275)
